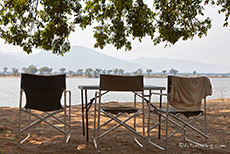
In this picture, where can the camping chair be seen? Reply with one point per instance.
(117, 83)
(44, 93)
(185, 96)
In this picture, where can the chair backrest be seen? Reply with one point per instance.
(43, 92)
(121, 83)
(186, 93)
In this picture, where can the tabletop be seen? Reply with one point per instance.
(96, 87)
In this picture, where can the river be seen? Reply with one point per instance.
(10, 87)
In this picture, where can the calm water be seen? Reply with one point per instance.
(9, 90)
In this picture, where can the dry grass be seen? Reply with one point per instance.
(45, 139)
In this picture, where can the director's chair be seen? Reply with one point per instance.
(117, 83)
(44, 93)
(184, 97)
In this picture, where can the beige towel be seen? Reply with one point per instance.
(187, 93)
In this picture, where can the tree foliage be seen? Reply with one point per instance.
(47, 24)
(31, 69)
(4, 70)
(149, 71)
(15, 71)
(62, 70)
(80, 72)
(88, 72)
(38, 23)
(173, 71)
(45, 70)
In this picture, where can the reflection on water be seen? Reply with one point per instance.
(9, 90)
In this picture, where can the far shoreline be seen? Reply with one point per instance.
(152, 76)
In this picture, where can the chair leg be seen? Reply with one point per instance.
(159, 127)
(69, 116)
(189, 125)
(134, 120)
(98, 109)
(19, 120)
(148, 127)
(205, 119)
(184, 129)
(96, 128)
(29, 122)
(148, 131)
(40, 119)
(67, 124)
(65, 116)
(166, 131)
(19, 128)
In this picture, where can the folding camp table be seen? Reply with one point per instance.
(87, 105)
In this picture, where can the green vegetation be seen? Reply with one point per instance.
(95, 73)
(47, 24)
(31, 69)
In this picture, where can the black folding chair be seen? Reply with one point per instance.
(184, 95)
(117, 83)
(44, 93)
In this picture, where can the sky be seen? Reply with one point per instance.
(210, 49)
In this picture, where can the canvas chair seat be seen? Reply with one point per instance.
(116, 110)
(44, 93)
(177, 111)
(184, 95)
(117, 83)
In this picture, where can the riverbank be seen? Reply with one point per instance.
(47, 140)
(152, 76)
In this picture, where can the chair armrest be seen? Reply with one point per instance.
(155, 93)
(68, 92)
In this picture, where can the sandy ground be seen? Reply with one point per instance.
(45, 139)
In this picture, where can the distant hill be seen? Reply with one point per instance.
(77, 58)
(159, 64)
(10, 61)
(82, 58)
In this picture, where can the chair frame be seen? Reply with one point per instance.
(98, 110)
(67, 123)
(166, 113)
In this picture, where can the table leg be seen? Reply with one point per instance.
(86, 117)
(143, 111)
(82, 110)
(159, 129)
